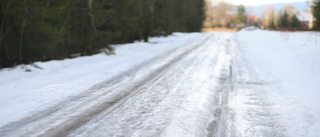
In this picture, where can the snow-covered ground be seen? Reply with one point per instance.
(248, 83)
(23, 93)
(288, 67)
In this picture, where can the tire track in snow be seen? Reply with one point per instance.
(67, 116)
(152, 109)
(219, 125)
(240, 108)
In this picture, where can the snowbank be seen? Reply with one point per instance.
(289, 62)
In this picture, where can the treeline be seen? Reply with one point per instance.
(41, 30)
(284, 19)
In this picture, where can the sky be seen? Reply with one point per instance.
(257, 2)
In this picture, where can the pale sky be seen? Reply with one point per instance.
(256, 2)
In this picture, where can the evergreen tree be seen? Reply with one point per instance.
(295, 23)
(33, 30)
(241, 18)
(284, 20)
(316, 13)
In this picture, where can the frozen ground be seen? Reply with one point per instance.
(249, 83)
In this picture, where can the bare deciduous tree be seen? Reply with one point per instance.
(268, 17)
(222, 13)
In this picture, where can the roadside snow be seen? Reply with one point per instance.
(274, 86)
(288, 63)
(23, 93)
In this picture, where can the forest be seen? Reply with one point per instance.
(42, 30)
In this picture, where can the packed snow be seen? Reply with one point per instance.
(23, 93)
(247, 83)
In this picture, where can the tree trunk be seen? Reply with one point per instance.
(140, 20)
(8, 55)
(4, 11)
(22, 32)
(149, 15)
(66, 20)
(92, 25)
(147, 31)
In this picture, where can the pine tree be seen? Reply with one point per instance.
(241, 19)
(285, 20)
(33, 30)
(316, 13)
(295, 22)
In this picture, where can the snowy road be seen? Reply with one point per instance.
(205, 88)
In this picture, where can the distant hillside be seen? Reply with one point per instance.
(258, 10)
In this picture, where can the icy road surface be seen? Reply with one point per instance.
(204, 88)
